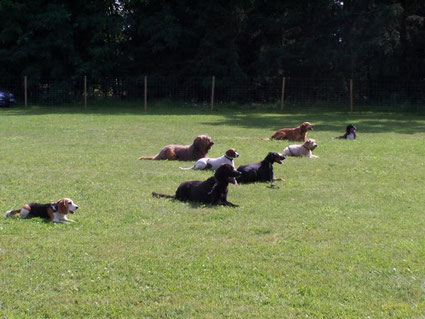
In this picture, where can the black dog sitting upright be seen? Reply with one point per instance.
(212, 191)
(350, 133)
(261, 172)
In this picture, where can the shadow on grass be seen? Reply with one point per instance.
(365, 122)
(267, 118)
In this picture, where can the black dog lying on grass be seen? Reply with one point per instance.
(212, 191)
(261, 172)
(350, 133)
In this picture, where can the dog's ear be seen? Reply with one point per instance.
(220, 172)
(208, 140)
(269, 157)
(63, 206)
(197, 140)
(231, 152)
(307, 143)
(304, 126)
(203, 141)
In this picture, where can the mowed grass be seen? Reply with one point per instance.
(342, 237)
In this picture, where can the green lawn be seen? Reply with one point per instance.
(343, 237)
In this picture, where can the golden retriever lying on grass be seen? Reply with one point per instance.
(198, 149)
(298, 133)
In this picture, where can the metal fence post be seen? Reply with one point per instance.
(351, 96)
(212, 92)
(146, 94)
(282, 99)
(25, 91)
(85, 92)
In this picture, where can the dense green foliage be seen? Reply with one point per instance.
(342, 237)
(58, 39)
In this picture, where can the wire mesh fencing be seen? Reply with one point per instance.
(284, 94)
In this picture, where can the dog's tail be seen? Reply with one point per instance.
(154, 194)
(187, 168)
(12, 212)
(147, 157)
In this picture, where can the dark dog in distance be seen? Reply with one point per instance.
(350, 133)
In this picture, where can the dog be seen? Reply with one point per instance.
(261, 172)
(214, 163)
(198, 149)
(213, 191)
(56, 211)
(350, 133)
(301, 150)
(293, 134)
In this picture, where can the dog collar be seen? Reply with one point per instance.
(54, 207)
(289, 149)
(306, 147)
(213, 188)
(228, 157)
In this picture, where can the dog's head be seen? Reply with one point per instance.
(310, 144)
(231, 153)
(306, 126)
(350, 129)
(227, 173)
(274, 157)
(66, 205)
(203, 143)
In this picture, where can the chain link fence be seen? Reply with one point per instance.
(285, 94)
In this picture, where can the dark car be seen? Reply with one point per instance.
(6, 98)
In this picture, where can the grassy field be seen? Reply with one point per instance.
(343, 237)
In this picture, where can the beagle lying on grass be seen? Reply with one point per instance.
(214, 163)
(55, 211)
(301, 150)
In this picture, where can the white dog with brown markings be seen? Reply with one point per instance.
(214, 163)
(301, 150)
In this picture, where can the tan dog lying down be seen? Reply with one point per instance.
(298, 133)
(301, 150)
(198, 149)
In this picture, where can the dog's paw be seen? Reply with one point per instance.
(273, 186)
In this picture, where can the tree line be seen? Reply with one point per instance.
(362, 39)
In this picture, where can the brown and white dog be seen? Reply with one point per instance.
(214, 163)
(301, 150)
(298, 133)
(54, 211)
(198, 149)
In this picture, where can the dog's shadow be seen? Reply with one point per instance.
(198, 205)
